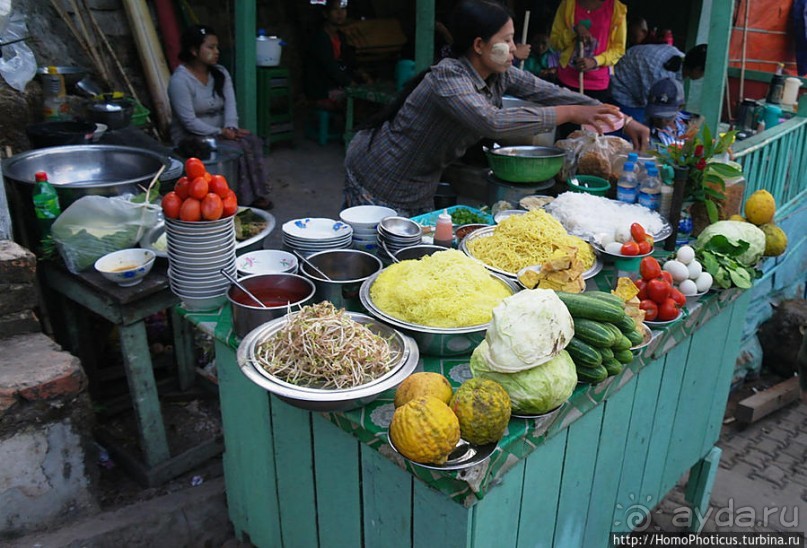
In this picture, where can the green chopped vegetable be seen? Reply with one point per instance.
(463, 216)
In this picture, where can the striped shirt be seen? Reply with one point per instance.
(637, 71)
(400, 163)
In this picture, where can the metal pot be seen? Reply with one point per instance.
(75, 171)
(298, 290)
(347, 270)
(115, 113)
(59, 133)
(525, 164)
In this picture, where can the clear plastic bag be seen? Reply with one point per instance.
(590, 154)
(18, 64)
(96, 225)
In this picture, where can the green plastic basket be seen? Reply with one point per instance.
(590, 184)
(140, 115)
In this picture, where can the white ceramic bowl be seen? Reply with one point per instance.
(126, 267)
(266, 261)
(365, 216)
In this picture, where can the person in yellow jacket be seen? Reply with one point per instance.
(590, 36)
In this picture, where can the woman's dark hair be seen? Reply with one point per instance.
(695, 59)
(475, 18)
(192, 39)
(469, 20)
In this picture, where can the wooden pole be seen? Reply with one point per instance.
(745, 42)
(580, 76)
(679, 189)
(524, 34)
(100, 65)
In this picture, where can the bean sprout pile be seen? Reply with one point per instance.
(322, 347)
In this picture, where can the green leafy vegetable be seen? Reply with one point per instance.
(734, 232)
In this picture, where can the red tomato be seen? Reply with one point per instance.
(194, 167)
(642, 286)
(658, 290)
(667, 277)
(650, 239)
(199, 188)
(650, 309)
(678, 297)
(230, 204)
(182, 187)
(645, 247)
(208, 177)
(649, 268)
(191, 210)
(630, 248)
(667, 311)
(218, 185)
(638, 232)
(212, 207)
(171, 204)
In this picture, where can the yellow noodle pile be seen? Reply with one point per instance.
(446, 289)
(526, 240)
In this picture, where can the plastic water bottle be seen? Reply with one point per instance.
(627, 186)
(54, 103)
(443, 231)
(650, 191)
(684, 229)
(46, 202)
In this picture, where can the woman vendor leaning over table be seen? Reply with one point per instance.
(398, 158)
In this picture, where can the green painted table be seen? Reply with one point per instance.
(379, 92)
(127, 308)
(600, 464)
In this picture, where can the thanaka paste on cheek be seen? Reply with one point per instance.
(500, 53)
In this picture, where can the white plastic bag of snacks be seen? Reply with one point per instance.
(93, 226)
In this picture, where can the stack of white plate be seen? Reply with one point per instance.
(364, 220)
(313, 234)
(197, 252)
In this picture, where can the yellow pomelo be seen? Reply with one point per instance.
(423, 384)
(736, 217)
(775, 240)
(425, 430)
(760, 207)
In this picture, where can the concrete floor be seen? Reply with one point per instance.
(763, 466)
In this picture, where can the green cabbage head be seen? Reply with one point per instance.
(736, 232)
(536, 390)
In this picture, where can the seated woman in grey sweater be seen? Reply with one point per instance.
(203, 106)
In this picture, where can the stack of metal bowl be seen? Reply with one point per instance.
(403, 348)
(197, 252)
(396, 233)
(433, 341)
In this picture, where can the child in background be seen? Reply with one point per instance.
(543, 60)
(664, 113)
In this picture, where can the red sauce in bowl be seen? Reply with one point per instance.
(269, 296)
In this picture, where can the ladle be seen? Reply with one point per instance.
(242, 288)
(313, 267)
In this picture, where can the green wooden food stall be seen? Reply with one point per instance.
(599, 464)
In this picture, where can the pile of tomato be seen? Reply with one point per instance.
(659, 299)
(199, 196)
(640, 244)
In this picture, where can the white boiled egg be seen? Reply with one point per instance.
(695, 269)
(677, 270)
(623, 234)
(704, 282)
(604, 238)
(685, 254)
(614, 248)
(688, 288)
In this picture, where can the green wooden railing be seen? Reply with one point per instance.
(776, 160)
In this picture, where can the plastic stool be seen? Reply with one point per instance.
(320, 130)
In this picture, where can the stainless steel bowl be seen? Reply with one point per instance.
(115, 113)
(417, 251)
(293, 290)
(329, 400)
(399, 227)
(434, 341)
(76, 171)
(347, 269)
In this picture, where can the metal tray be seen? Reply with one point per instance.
(463, 456)
(659, 236)
(487, 232)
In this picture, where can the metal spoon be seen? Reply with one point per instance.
(391, 255)
(242, 288)
(309, 263)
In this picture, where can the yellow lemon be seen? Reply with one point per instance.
(739, 218)
(760, 207)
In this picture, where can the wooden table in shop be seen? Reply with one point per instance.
(296, 478)
(127, 308)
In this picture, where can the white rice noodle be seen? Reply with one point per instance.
(585, 215)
